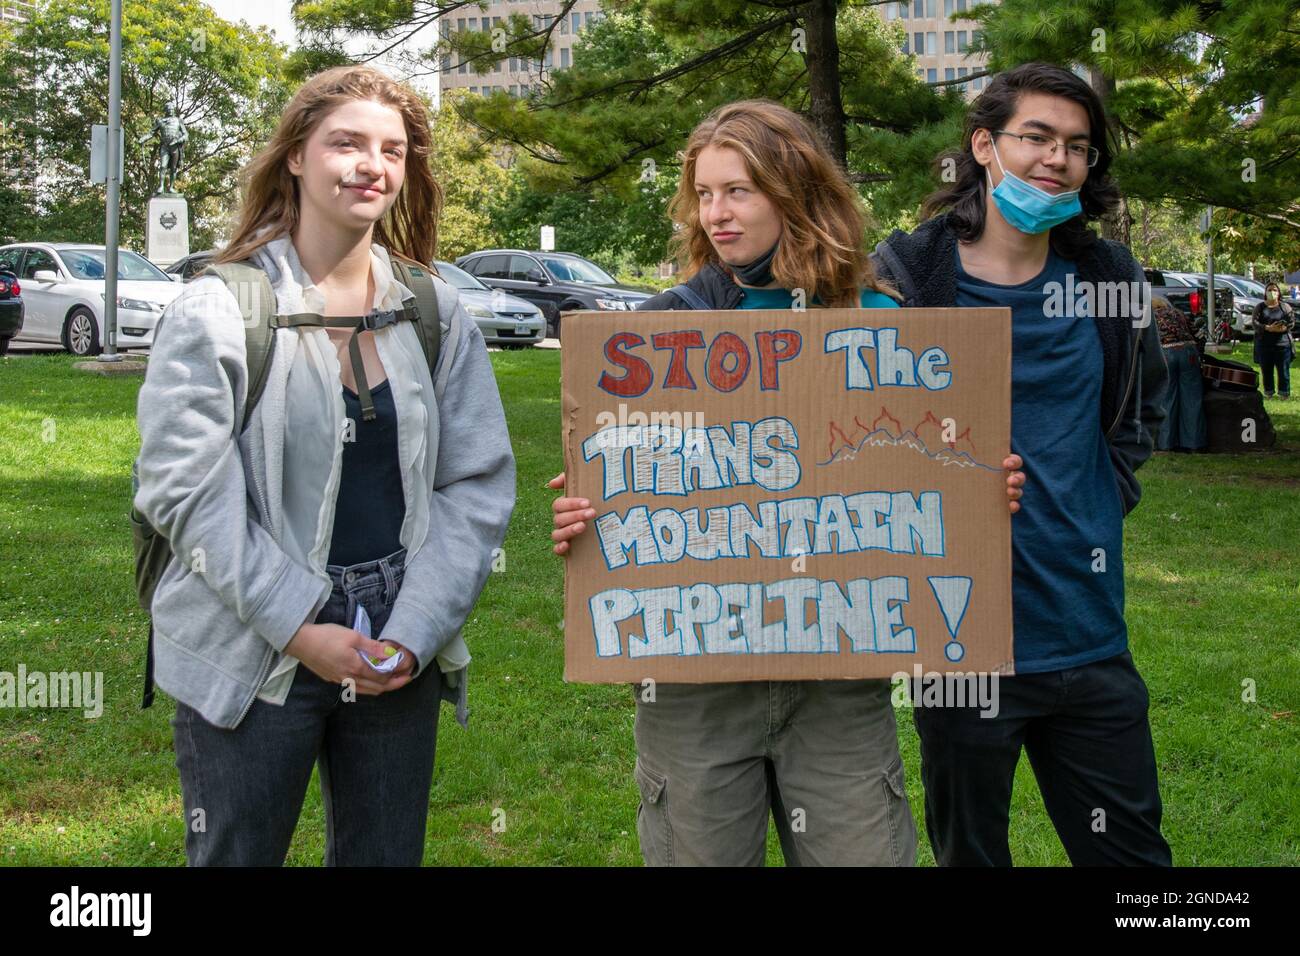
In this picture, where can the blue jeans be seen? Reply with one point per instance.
(1086, 732)
(1184, 424)
(243, 789)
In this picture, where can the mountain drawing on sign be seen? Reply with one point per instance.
(925, 437)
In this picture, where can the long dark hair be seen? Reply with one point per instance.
(993, 109)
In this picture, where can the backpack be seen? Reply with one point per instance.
(153, 552)
(688, 295)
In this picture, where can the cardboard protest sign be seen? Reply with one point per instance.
(787, 494)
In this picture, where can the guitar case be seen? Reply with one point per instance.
(1227, 406)
(1228, 373)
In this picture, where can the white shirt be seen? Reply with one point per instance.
(307, 482)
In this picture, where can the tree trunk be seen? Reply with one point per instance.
(1117, 225)
(826, 107)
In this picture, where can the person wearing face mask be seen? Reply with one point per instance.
(1274, 321)
(1088, 382)
(346, 526)
(763, 210)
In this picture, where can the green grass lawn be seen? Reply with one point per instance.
(1213, 602)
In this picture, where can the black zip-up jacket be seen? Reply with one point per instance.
(922, 265)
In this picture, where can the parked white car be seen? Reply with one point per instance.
(63, 288)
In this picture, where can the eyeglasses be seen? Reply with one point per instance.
(1047, 146)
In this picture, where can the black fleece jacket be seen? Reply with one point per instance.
(922, 265)
(714, 285)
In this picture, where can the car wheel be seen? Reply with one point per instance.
(566, 307)
(4, 346)
(81, 334)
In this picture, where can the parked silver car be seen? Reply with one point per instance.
(503, 319)
(63, 291)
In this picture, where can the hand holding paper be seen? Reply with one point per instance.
(380, 665)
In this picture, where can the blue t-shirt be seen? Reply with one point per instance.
(782, 299)
(1067, 611)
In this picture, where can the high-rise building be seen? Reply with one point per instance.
(17, 9)
(941, 45)
(513, 74)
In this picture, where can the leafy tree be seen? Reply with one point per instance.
(643, 76)
(224, 78)
(473, 180)
(1166, 236)
(619, 232)
(1205, 98)
(666, 59)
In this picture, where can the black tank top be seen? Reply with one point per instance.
(368, 516)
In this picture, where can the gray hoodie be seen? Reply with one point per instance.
(250, 514)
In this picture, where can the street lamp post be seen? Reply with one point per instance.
(110, 353)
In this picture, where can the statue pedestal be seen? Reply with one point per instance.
(167, 230)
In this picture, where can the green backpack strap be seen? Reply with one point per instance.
(416, 278)
(252, 289)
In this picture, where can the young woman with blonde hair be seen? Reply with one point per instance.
(765, 215)
(364, 491)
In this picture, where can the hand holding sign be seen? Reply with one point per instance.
(571, 515)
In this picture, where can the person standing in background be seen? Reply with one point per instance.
(1274, 320)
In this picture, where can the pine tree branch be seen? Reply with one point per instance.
(733, 45)
(960, 79)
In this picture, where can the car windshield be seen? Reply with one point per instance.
(577, 270)
(89, 264)
(1250, 287)
(458, 278)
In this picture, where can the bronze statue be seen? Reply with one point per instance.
(172, 137)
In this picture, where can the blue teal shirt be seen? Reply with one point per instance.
(1067, 611)
(782, 299)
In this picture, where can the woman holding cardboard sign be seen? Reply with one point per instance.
(767, 221)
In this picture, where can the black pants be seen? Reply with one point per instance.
(242, 789)
(1276, 359)
(1086, 732)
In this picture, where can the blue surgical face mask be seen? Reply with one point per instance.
(1029, 208)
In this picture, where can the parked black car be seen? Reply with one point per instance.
(11, 309)
(191, 265)
(555, 282)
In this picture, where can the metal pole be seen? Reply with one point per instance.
(1212, 329)
(111, 205)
